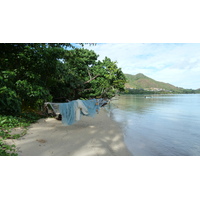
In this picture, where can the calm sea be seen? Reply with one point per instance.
(159, 125)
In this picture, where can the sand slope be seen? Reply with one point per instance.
(99, 136)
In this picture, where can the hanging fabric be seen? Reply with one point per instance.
(72, 111)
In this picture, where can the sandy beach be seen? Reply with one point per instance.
(98, 136)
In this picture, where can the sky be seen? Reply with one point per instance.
(174, 63)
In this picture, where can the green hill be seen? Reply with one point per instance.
(140, 81)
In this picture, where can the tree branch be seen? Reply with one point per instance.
(89, 73)
(92, 78)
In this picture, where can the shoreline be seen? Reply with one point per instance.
(98, 136)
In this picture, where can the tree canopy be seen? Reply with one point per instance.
(33, 73)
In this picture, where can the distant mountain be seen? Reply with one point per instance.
(198, 90)
(140, 81)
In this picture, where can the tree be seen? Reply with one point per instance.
(34, 73)
(87, 77)
(27, 72)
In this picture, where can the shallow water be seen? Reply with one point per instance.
(159, 125)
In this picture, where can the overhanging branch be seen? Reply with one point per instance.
(92, 79)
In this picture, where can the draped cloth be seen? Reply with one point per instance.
(72, 111)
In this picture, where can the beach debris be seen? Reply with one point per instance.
(41, 141)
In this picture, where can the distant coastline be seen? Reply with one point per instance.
(141, 84)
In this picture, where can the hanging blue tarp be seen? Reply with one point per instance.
(71, 112)
(68, 112)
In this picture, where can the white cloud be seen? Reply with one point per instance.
(177, 64)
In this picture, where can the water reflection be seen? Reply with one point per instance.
(139, 103)
(160, 125)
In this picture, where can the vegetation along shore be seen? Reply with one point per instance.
(35, 73)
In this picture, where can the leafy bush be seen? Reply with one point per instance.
(7, 150)
(9, 102)
(7, 123)
(33, 96)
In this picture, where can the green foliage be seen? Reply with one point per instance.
(32, 74)
(9, 100)
(82, 76)
(32, 95)
(110, 80)
(7, 123)
(28, 70)
(7, 150)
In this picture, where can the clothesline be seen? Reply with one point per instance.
(72, 111)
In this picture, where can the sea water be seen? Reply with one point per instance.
(159, 125)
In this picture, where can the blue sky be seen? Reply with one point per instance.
(174, 63)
